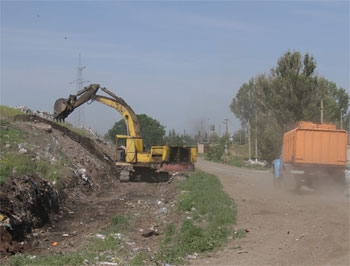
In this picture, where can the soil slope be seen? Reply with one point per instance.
(82, 209)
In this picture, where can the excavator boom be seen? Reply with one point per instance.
(64, 107)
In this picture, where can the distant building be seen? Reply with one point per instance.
(200, 148)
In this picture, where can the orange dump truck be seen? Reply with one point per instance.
(314, 152)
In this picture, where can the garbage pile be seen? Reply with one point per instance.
(29, 111)
(26, 202)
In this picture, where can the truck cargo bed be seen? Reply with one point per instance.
(315, 144)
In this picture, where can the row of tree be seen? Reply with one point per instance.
(270, 104)
(153, 133)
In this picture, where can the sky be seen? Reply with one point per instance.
(179, 62)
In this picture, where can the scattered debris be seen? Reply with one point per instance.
(28, 202)
(255, 162)
(151, 233)
(192, 256)
(83, 175)
(108, 263)
(100, 236)
(29, 111)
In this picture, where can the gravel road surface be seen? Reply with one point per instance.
(285, 228)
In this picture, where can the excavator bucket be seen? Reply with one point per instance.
(60, 109)
(64, 107)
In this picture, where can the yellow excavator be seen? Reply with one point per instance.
(134, 163)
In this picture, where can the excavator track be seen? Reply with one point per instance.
(125, 172)
(142, 174)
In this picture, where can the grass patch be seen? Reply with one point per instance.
(120, 223)
(68, 259)
(13, 162)
(7, 112)
(96, 251)
(236, 161)
(141, 259)
(10, 135)
(206, 200)
(212, 216)
(111, 242)
(21, 164)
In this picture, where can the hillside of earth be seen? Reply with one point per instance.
(54, 218)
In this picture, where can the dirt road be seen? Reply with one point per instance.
(285, 228)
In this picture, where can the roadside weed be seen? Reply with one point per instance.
(210, 216)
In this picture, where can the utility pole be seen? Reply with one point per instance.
(256, 135)
(249, 150)
(80, 114)
(201, 131)
(322, 111)
(341, 118)
(226, 132)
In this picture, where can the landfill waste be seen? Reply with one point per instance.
(27, 202)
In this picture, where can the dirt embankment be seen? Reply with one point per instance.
(43, 219)
(285, 228)
(28, 201)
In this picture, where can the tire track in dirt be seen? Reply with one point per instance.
(285, 228)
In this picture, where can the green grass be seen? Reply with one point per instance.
(109, 243)
(12, 162)
(21, 164)
(10, 135)
(236, 161)
(141, 259)
(240, 150)
(7, 112)
(120, 223)
(68, 259)
(206, 199)
(15, 163)
(213, 215)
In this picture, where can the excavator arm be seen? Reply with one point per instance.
(158, 161)
(64, 107)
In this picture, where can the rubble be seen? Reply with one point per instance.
(27, 202)
(29, 111)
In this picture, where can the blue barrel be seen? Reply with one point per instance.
(276, 168)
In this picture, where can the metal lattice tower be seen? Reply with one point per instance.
(79, 119)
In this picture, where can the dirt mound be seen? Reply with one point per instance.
(83, 141)
(29, 202)
(81, 202)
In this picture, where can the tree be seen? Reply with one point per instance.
(152, 132)
(291, 92)
(239, 137)
(174, 139)
(244, 104)
(216, 150)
